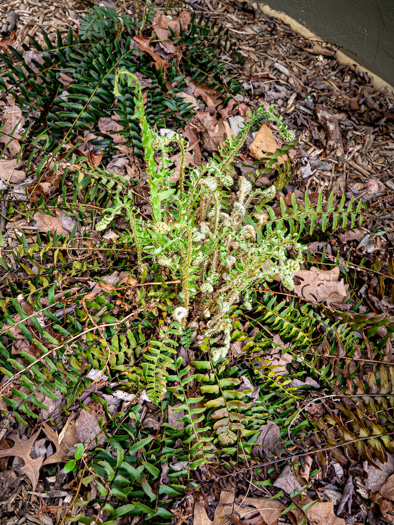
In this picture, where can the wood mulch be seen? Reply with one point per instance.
(343, 124)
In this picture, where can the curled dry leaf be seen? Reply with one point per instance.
(62, 448)
(331, 127)
(319, 286)
(265, 142)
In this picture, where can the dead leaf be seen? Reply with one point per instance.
(386, 506)
(9, 173)
(330, 124)
(4, 42)
(265, 142)
(296, 383)
(174, 416)
(268, 442)
(387, 490)
(194, 144)
(48, 183)
(216, 131)
(22, 449)
(13, 121)
(322, 513)
(145, 45)
(62, 449)
(88, 429)
(225, 507)
(200, 515)
(277, 362)
(304, 469)
(347, 497)
(321, 286)
(109, 288)
(287, 481)
(355, 235)
(189, 99)
(107, 124)
(61, 224)
(270, 510)
(164, 27)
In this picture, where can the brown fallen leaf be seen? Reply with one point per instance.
(62, 223)
(322, 513)
(319, 286)
(270, 509)
(189, 99)
(145, 45)
(13, 120)
(88, 429)
(386, 506)
(62, 449)
(216, 132)
(387, 490)
(263, 143)
(22, 449)
(225, 507)
(330, 124)
(48, 183)
(164, 27)
(207, 93)
(194, 144)
(277, 362)
(200, 515)
(174, 416)
(287, 481)
(10, 173)
(268, 442)
(4, 42)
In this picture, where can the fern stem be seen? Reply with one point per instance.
(182, 167)
(137, 243)
(185, 286)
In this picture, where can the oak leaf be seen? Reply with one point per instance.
(270, 509)
(319, 286)
(22, 449)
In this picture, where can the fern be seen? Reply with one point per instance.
(158, 360)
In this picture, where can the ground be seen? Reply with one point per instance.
(101, 422)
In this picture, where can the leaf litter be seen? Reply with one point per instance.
(344, 145)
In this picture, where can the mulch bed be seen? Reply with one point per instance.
(343, 125)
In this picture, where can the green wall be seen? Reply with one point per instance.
(364, 27)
